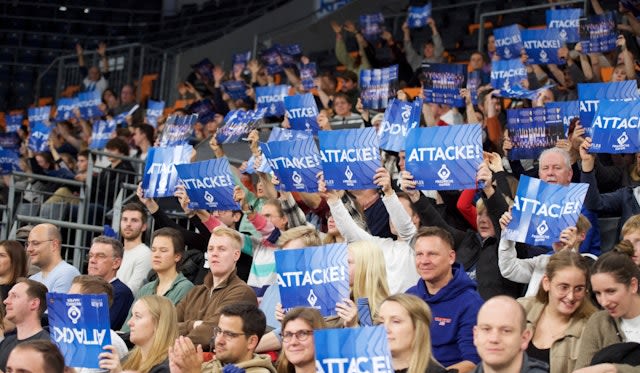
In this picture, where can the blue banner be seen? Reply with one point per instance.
(209, 184)
(239, 123)
(154, 111)
(160, 176)
(364, 312)
(10, 140)
(518, 92)
(14, 121)
(64, 108)
(442, 83)
(363, 349)
(590, 94)
(371, 26)
(39, 115)
(567, 22)
(531, 133)
(9, 161)
(399, 118)
(444, 158)
(269, 58)
(418, 15)
(542, 46)
(79, 326)
(508, 41)
(302, 112)
(564, 112)
(272, 99)
(615, 127)
(377, 86)
(102, 133)
(89, 103)
(39, 137)
(316, 277)
(177, 130)
(284, 134)
(290, 54)
(542, 210)
(349, 158)
(205, 110)
(251, 166)
(239, 61)
(308, 74)
(598, 33)
(295, 163)
(204, 69)
(507, 73)
(236, 89)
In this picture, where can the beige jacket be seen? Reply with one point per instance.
(259, 364)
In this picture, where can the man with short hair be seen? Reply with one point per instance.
(199, 310)
(44, 249)
(452, 297)
(105, 258)
(143, 139)
(25, 306)
(136, 261)
(238, 332)
(501, 337)
(95, 77)
(39, 356)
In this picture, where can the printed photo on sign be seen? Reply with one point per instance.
(442, 82)
(238, 124)
(209, 184)
(350, 158)
(598, 33)
(177, 130)
(79, 326)
(160, 175)
(444, 158)
(377, 86)
(530, 133)
(542, 210)
(615, 127)
(562, 112)
(316, 277)
(363, 349)
(295, 163)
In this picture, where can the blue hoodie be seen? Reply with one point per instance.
(455, 311)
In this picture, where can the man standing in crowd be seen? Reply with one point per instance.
(136, 261)
(44, 249)
(95, 77)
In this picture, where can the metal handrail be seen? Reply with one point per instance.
(52, 179)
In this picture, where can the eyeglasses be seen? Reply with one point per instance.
(36, 243)
(226, 333)
(301, 335)
(563, 289)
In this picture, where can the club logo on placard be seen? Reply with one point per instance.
(297, 180)
(349, 175)
(622, 142)
(312, 298)
(209, 198)
(74, 314)
(544, 57)
(563, 34)
(444, 174)
(507, 53)
(541, 231)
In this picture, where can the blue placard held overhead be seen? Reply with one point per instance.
(154, 111)
(349, 350)
(238, 123)
(39, 114)
(442, 83)
(160, 176)
(9, 161)
(563, 111)
(507, 73)
(10, 140)
(237, 90)
(598, 33)
(302, 112)
(567, 22)
(89, 103)
(285, 134)
(177, 130)
(205, 110)
(349, 158)
(209, 184)
(531, 133)
(542, 210)
(64, 108)
(39, 137)
(371, 25)
(272, 99)
(615, 127)
(101, 134)
(14, 121)
(399, 118)
(239, 61)
(204, 69)
(316, 277)
(444, 158)
(508, 41)
(377, 86)
(590, 94)
(79, 326)
(418, 15)
(542, 46)
(295, 163)
(308, 75)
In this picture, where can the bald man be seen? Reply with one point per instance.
(501, 338)
(44, 249)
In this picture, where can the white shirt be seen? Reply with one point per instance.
(136, 264)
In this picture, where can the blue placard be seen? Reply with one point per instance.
(236, 89)
(209, 184)
(615, 127)
(474, 81)
(239, 61)
(9, 161)
(14, 122)
(272, 99)
(442, 83)
(154, 111)
(284, 134)
(64, 108)
(239, 123)
(316, 277)
(542, 46)
(542, 210)
(508, 41)
(507, 73)
(531, 133)
(399, 117)
(567, 22)
(444, 158)
(39, 137)
(418, 15)
(101, 134)
(79, 326)
(590, 94)
(564, 112)
(10, 140)
(39, 114)
(363, 349)
(377, 86)
(89, 104)
(204, 69)
(302, 112)
(270, 59)
(251, 166)
(296, 163)
(598, 33)
(308, 75)
(160, 176)
(371, 25)
(205, 110)
(350, 158)
(289, 54)
(364, 312)
(177, 130)
(518, 92)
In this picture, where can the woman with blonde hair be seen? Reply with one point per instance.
(407, 319)
(367, 273)
(298, 347)
(154, 328)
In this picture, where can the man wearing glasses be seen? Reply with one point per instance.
(44, 247)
